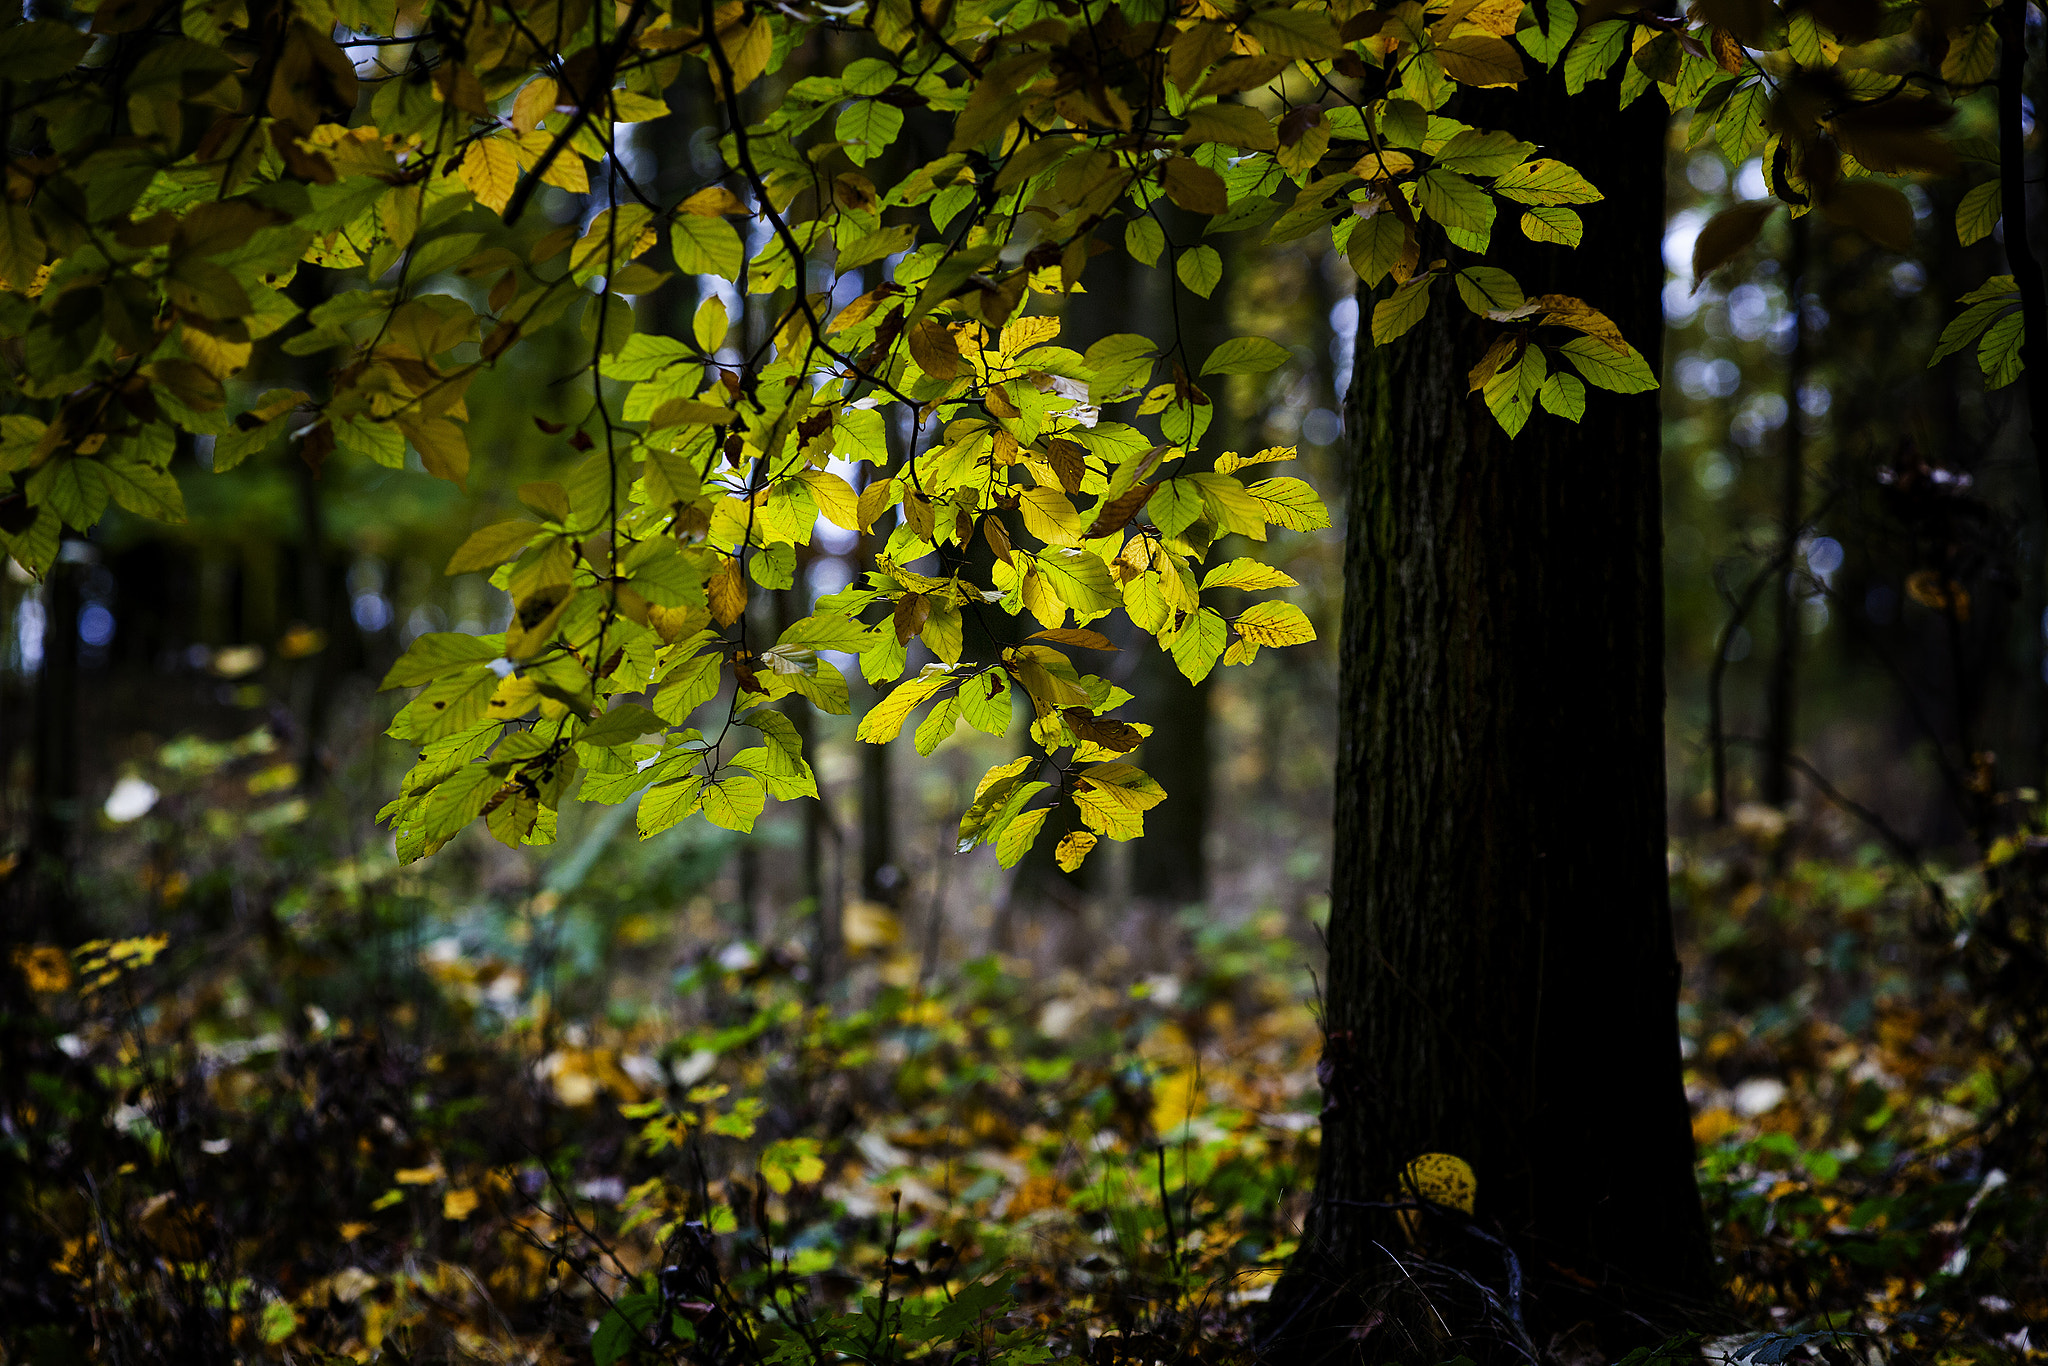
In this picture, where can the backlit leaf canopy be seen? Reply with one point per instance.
(891, 209)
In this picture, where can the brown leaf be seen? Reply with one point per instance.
(1119, 736)
(1297, 122)
(1116, 514)
(316, 446)
(1195, 187)
(1082, 638)
(1727, 233)
(932, 347)
(1877, 211)
(1069, 460)
(998, 538)
(913, 610)
(1479, 59)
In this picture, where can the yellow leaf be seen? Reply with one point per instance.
(419, 1176)
(1441, 1179)
(1497, 17)
(566, 171)
(747, 52)
(491, 170)
(534, 102)
(1177, 1096)
(459, 1204)
(835, 498)
(216, 357)
(728, 590)
(44, 967)
(1276, 623)
(712, 202)
(869, 925)
(1073, 847)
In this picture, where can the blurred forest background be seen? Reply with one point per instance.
(437, 1111)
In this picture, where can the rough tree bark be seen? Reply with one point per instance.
(1502, 980)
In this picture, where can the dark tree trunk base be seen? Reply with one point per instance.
(1502, 979)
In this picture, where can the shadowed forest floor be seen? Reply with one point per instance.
(339, 1109)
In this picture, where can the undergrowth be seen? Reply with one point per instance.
(313, 1108)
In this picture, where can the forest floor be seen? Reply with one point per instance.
(339, 1116)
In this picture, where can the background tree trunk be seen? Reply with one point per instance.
(1781, 697)
(1170, 866)
(1502, 980)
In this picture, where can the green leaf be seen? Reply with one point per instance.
(1563, 395)
(72, 486)
(938, 724)
(1401, 310)
(1118, 361)
(1246, 356)
(1483, 153)
(1547, 180)
(1510, 392)
(1595, 50)
(1020, 834)
(985, 702)
(1200, 269)
(868, 127)
(21, 247)
(1198, 644)
(1144, 239)
(1999, 352)
(1594, 359)
(1547, 223)
(1291, 504)
(734, 800)
(1376, 245)
(1080, 578)
(627, 721)
(644, 354)
(1453, 201)
(621, 1328)
(40, 49)
(867, 76)
(449, 705)
(885, 719)
(1176, 505)
(145, 490)
(488, 547)
(379, 442)
(1978, 213)
(709, 327)
(438, 653)
(689, 686)
(1966, 327)
(1294, 32)
(1551, 33)
(1489, 289)
(707, 246)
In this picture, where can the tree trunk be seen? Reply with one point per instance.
(1170, 865)
(1781, 697)
(1502, 980)
(55, 799)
